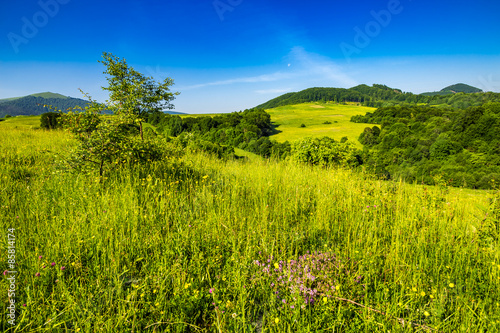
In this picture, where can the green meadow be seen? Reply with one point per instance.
(25, 122)
(288, 120)
(192, 243)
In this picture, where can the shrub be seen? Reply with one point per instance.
(326, 151)
(50, 120)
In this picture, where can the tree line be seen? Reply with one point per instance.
(248, 130)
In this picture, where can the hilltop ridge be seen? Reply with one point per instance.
(32, 105)
(374, 96)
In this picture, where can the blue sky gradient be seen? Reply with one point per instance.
(228, 55)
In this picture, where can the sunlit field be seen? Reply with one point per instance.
(289, 119)
(26, 122)
(197, 244)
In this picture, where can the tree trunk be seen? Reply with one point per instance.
(101, 170)
(140, 128)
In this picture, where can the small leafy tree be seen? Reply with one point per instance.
(105, 140)
(132, 94)
(325, 151)
(100, 140)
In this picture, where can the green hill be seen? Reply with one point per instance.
(454, 89)
(359, 94)
(32, 105)
(379, 95)
(459, 147)
(462, 87)
(50, 95)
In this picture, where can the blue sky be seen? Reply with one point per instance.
(228, 55)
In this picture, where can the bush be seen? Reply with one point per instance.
(326, 151)
(50, 120)
(302, 125)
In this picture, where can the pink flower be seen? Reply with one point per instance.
(211, 290)
(40, 257)
(53, 264)
(63, 268)
(37, 274)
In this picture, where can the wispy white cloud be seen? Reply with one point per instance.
(323, 68)
(301, 66)
(277, 76)
(273, 91)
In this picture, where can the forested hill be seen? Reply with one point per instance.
(360, 94)
(457, 96)
(455, 89)
(460, 147)
(32, 105)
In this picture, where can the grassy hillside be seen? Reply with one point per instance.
(288, 120)
(198, 244)
(50, 95)
(27, 122)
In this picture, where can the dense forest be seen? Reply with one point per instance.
(248, 130)
(34, 105)
(459, 147)
(383, 96)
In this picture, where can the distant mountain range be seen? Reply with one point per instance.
(32, 105)
(374, 96)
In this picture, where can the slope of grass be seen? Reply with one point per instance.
(288, 120)
(27, 122)
(196, 244)
(8, 99)
(49, 95)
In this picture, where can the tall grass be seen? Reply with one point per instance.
(172, 246)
